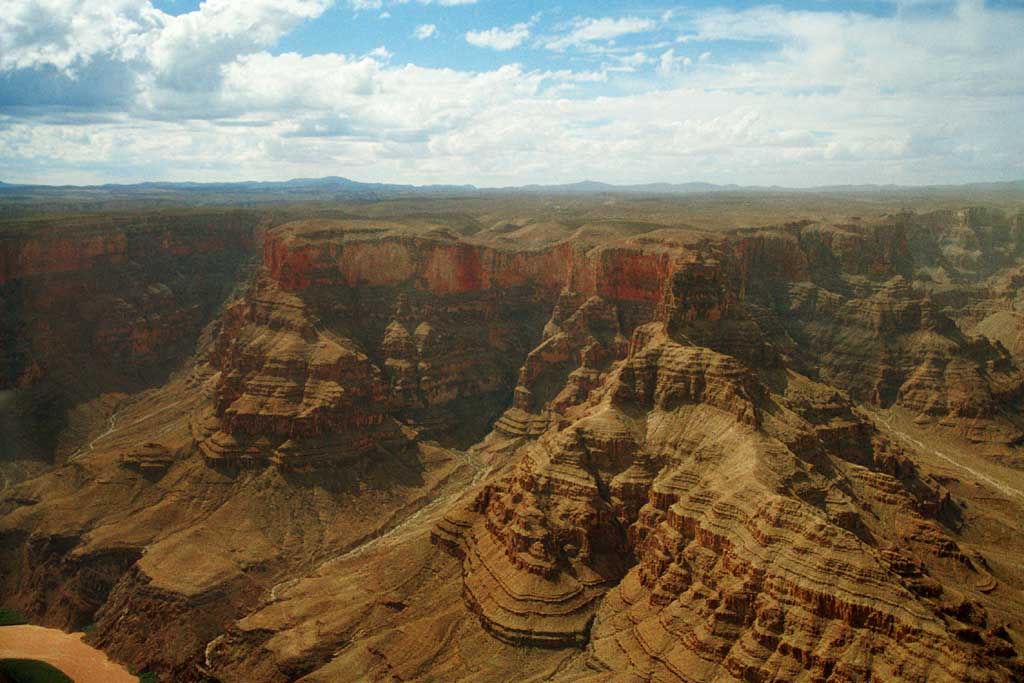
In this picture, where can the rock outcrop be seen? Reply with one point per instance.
(657, 453)
(287, 392)
(93, 307)
(728, 529)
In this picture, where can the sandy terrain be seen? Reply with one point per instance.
(66, 651)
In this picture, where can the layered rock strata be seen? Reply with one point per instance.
(692, 485)
(717, 526)
(91, 307)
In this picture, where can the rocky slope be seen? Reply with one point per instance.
(96, 307)
(696, 464)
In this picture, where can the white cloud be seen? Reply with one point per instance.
(190, 49)
(498, 38)
(923, 96)
(970, 51)
(424, 31)
(337, 96)
(669, 63)
(585, 31)
(67, 34)
(183, 52)
(365, 5)
(634, 60)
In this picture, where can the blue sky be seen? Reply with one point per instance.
(797, 93)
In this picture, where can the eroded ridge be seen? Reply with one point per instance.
(692, 484)
(725, 534)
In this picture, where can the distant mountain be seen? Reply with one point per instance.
(326, 184)
(242, 192)
(336, 188)
(596, 187)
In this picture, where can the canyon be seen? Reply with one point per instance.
(561, 439)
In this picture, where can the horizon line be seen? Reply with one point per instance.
(485, 188)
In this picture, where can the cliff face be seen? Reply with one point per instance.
(694, 521)
(97, 309)
(683, 462)
(680, 451)
(867, 309)
(345, 335)
(875, 316)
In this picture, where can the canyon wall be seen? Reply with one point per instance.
(108, 306)
(686, 479)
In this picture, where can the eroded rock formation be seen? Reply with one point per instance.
(668, 455)
(95, 307)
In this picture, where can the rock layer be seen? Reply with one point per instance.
(732, 536)
(92, 307)
(687, 472)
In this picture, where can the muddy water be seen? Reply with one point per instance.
(66, 651)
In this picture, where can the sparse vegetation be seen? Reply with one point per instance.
(31, 671)
(11, 617)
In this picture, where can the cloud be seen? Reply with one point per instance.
(499, 38)
(124, 92)
(66, 34)
(669, 63)
(366, 5)
(968, 51)
(132, 44)
(191, 48)
(424, 31)
(635, 60)
(99, 85)
(364, 98)
(585, 31)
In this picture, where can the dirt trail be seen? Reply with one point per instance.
(66, 651)
(113, 425)
(980, 476)
(92, 444)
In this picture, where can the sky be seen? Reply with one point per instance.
(503, 92)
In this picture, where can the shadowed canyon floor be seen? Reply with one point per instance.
(600, 439)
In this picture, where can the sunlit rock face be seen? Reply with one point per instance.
(662, 455)
(710, 506)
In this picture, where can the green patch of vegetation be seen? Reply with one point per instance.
(31, 671)
(148, 677)
(11, 617)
